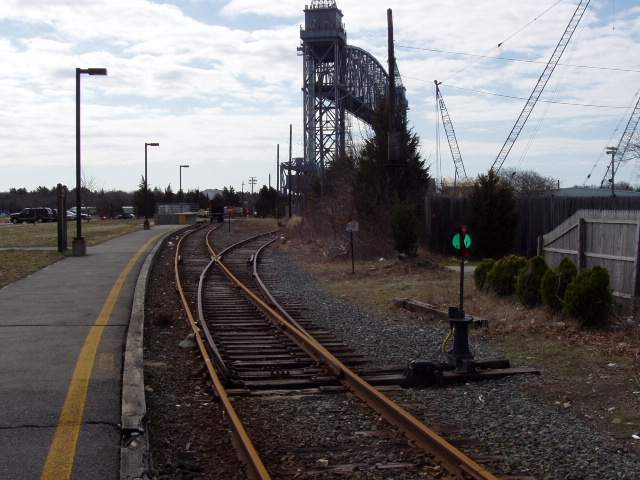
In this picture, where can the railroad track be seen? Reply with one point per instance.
(249, 341)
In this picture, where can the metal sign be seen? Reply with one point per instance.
(353, 226)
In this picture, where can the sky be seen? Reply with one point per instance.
(217, 83)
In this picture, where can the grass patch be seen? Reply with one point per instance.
(45, 234)
(17, 264)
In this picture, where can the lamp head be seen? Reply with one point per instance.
(97, 71)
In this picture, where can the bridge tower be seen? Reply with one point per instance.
(324, 49)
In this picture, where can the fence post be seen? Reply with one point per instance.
(540, 249)
(581, 242)
(62, 217)
(636, 264)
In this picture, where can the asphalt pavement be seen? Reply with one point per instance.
(62, 334)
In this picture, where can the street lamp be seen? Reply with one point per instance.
(181, 167)
(146, 187)
(612, 151)
(79, 245)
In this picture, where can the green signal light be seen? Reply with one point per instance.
(455, 241)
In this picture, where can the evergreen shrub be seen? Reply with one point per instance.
(404, 225)
(588, 297)
(501, 279)
(529, 279)
(555, 282)
(481, 271)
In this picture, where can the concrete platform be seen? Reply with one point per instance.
(47, 322)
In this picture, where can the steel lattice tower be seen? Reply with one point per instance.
(324, 45)
(338, 79)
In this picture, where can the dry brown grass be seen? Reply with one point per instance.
(17, 264)
(45, 234)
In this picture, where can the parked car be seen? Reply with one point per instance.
(126, 216)
(33, 215)
(71, 215)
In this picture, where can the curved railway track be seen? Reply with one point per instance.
(248, 341)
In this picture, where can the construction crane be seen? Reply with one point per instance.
(539, 88)
(623, 144)
(451, 136)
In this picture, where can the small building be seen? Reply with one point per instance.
(176, 214)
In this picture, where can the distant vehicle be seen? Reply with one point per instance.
(33, 215)
(71, 215)
(126, 216)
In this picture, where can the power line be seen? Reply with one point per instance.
(520, 60)
(557, 102)
(529, 23)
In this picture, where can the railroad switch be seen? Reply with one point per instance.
(460, 364)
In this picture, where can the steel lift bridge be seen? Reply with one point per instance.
(339, 79)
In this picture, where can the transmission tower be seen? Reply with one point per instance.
(252, 182)
(460, 172)
(623, 144)
(539, 88)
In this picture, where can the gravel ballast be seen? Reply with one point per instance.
(495, 422)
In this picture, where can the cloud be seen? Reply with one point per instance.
(219, 91)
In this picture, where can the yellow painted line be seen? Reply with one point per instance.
(62, 452)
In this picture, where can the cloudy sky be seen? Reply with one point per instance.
(217, 83)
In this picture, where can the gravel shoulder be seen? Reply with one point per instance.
(499, 423)
(188, 433)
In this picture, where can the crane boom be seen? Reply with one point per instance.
(539, 88)
(451, 135)
(625, 141)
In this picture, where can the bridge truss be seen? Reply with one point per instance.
(338, 80)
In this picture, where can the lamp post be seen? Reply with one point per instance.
(79, 245)
(612, 151)
(181, 167)
(146, 185)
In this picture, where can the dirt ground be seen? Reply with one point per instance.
(592, 372)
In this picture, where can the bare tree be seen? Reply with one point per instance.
(527, 181)
(88, 183)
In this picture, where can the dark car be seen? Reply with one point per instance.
(33, 215)
(126, 216)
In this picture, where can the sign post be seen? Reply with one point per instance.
(352, 226)
(462, 242)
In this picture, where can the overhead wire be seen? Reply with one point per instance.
(557, 102)
(525, 26)
(499, 45)
(520, 60)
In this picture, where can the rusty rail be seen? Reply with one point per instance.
(455, 461)
(246, 450)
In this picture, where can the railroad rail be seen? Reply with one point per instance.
(272, 322)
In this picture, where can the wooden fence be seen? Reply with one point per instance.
(606, 238)
(537, 216)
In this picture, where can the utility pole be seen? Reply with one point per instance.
(242, 193)
(391, 94)
(289, 180)
(269, 181)
(252, 182)
(612, 151)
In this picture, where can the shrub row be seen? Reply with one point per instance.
(586, 296)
